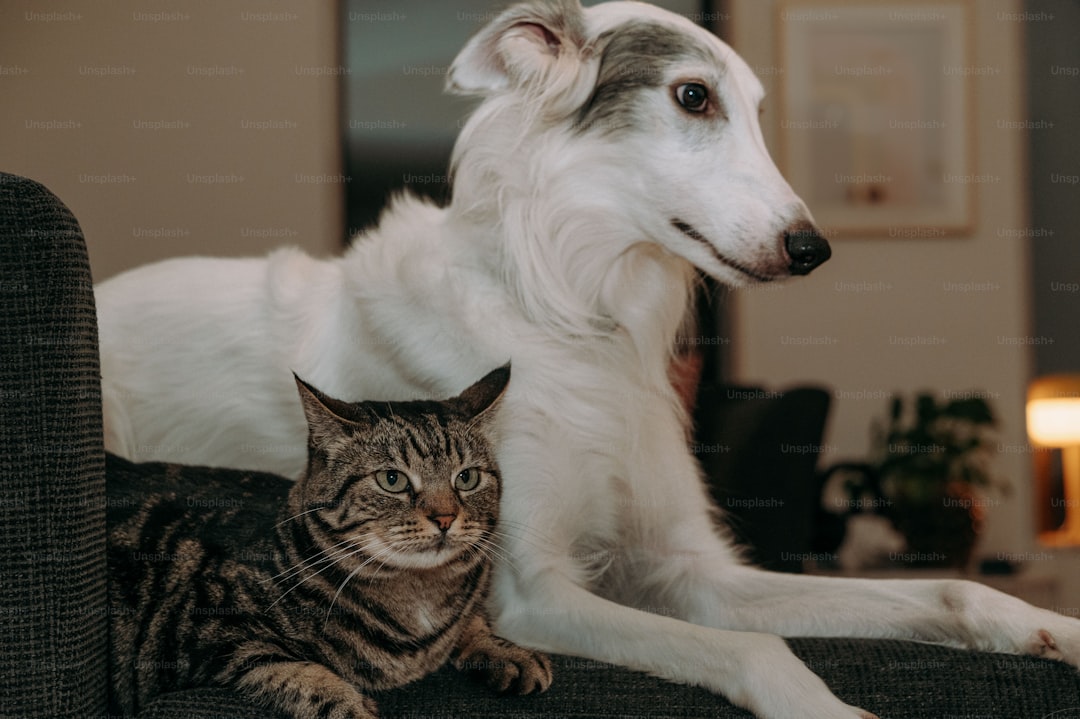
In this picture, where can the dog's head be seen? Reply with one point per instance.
(632, 113)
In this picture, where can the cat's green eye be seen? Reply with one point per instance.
(392, 480)
(467, 480)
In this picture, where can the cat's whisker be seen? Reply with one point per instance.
(489, 543)
(533, 531)
(485, 556)
(491, 550)
(323, 554)
(391, 552)
(389, 549)
(306, 565)
(338, 557)
(297, 516)
(318, 558)
(386, 550)
(351, 574)
(523, 533)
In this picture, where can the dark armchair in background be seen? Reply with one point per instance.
(53, 612)
(759, 449)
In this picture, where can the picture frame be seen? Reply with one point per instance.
(875, 109)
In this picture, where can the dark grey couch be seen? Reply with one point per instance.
(53, 622)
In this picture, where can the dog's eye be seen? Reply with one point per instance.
(692, 96)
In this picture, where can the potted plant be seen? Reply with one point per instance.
(932, 472)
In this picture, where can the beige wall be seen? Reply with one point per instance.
(190, 128)
(874, 292)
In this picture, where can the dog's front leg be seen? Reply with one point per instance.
(755, 671)
(953, 612)
(689, 569)
(554, 497)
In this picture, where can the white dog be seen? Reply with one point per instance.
(616, 149)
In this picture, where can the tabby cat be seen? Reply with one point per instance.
(369, 572)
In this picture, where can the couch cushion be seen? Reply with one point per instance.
(896, 679)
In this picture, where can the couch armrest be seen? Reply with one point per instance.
(53, 623)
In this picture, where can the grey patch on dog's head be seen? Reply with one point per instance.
(636, 56)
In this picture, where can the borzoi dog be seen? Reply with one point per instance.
(616, 150)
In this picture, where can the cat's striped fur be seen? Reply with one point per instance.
(369, 572)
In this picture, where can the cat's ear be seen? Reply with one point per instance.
(482, 398)
(327, 418)
(526, 45)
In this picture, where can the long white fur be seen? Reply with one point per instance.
(557, 253)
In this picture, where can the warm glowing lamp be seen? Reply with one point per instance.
(1053, 420)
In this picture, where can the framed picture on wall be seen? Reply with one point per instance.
(875, 104)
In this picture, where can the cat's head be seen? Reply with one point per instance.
(410, 485)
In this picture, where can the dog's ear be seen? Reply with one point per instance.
(521, 47)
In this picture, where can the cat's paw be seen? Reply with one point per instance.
(306, 690)
(506, 667)
(361, 707)
(364, 708)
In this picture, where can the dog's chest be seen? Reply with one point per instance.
(605, 526)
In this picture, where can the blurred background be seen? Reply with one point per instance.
(233, 128)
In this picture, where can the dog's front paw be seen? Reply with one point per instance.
(1002, 623)
(505, 666)
(1057, 639)
(800, 694)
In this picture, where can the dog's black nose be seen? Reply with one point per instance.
(806, 247)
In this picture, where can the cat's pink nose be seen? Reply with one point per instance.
(443, 521)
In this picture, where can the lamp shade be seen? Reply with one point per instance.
(1053, 410)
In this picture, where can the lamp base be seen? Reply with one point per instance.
(1069, 533)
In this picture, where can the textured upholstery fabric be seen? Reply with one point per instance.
(52, 559)
(897, 680)
(52, 487)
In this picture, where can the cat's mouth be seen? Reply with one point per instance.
(427, 551)
(426, 554)
(446, 547)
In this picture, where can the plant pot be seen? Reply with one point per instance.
(940, 527)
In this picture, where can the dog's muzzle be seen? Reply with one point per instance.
(806, 247)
